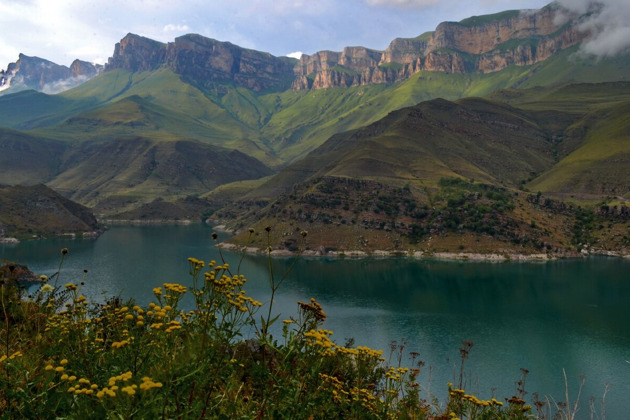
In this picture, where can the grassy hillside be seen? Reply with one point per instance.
(599, 166)
(27, 159)
(39, 211)
(406, 181)
(472, 138)
(159, 105)
(281, 128)
(128, 171)
(592, 149)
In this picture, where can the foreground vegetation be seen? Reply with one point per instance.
(215, 357)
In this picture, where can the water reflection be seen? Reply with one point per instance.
(545, 317)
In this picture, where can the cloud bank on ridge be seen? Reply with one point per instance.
(607, 21)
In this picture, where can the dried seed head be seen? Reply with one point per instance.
(214, 236)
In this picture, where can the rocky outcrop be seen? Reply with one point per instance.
(479, 44)
(136, 53)
(204, 60)
(43, 75)
(80, 68)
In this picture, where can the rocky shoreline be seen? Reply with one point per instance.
(145, 222)
(72, 235)
(461, 256)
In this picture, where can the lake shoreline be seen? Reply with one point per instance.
(134, 222)
(456, 256)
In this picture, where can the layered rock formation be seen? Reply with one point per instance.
(479, 44)
(204, 60)
(43, 75)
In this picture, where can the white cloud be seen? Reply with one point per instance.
(419, 4)
(175, 28)
(296, 54)
(62, 85)
(608, 23)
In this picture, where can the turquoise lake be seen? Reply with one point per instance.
(547, 317)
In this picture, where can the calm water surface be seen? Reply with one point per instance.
(570, 315)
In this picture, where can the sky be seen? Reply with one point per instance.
(63, 30)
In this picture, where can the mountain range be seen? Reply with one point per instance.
(481, 44)
(43, 75)
(491, 107)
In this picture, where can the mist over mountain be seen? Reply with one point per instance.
(607, 23)
(45, 76)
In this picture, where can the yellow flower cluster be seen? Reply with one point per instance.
(196, 264)
(175, 288)
(240, 301)
(157, 311)
(120, 378)
(225, 281)
(148, 383)
(47, 288)
(70, 286)
(110, 392)
(396, 373)
(338, 392)
(320, 338)
(313, 308)
(130, 389)
(362, 351)
(83, 385)
(460, 393)
(172, 326)
(122, 343)
(370, 352)
(364, 396)
(230, 288)
(11, 357)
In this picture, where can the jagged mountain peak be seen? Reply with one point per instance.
(30, 72)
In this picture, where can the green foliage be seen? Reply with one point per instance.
(466, 205)
(485, 19)
(64, 357)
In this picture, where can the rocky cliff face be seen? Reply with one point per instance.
(136, 54)
(479, 44)
(43, 75)
(204, 60)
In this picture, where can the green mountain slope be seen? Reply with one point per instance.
(27, 159)
(471, 138)
(126, 172)
(39, 211)
(319, 132)
(406, 181)
(599, 166)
